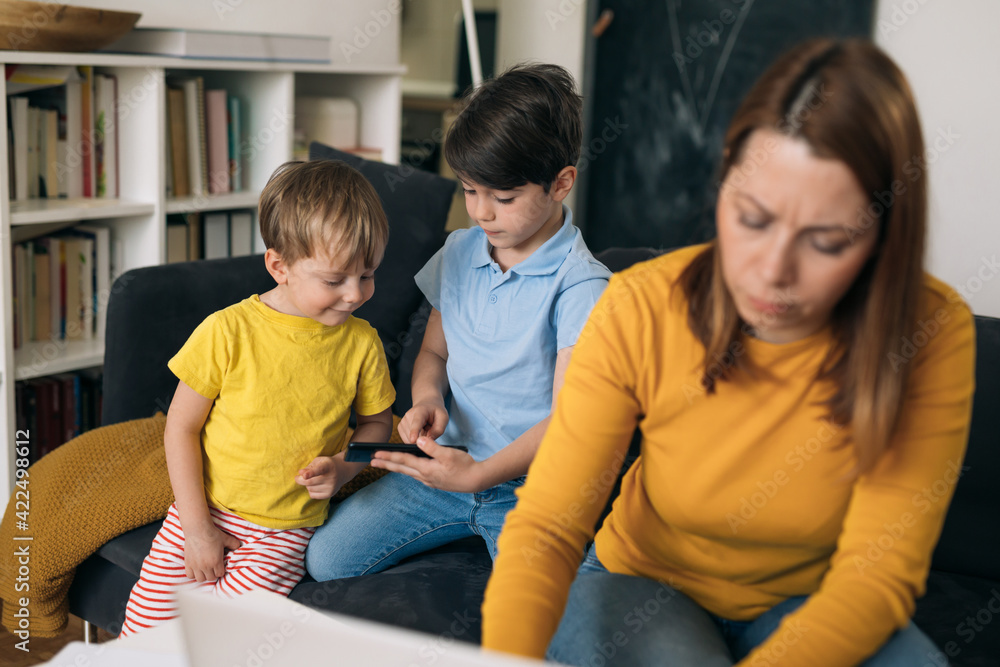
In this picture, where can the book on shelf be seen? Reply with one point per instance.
(32, 140)
(241, 233)
(100, 276)
(217, 140)
(194, 120)
(19, 132)
(87, 138)
(185, 43)
(62, 284)
(42, 281)
(235, 123)
(215, 240)
(178, 142)
(25, 78)
(177, 239)
(105, 135)
(57, 408)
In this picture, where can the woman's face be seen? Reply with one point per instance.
(792, 236)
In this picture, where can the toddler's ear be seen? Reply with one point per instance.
(276, 266)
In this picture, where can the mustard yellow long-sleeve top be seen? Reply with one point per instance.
(739, 499)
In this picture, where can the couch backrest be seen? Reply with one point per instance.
(970, 540)
(153, 310)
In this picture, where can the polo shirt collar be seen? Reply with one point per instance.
(546, 259)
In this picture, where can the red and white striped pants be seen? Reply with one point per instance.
(269, 559)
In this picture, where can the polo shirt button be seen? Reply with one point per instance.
(493, 298)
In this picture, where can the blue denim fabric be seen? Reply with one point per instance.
(396, 517)
(616, 619)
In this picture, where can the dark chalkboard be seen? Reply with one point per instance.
(667, 77)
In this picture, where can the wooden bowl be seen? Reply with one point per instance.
(43, 26)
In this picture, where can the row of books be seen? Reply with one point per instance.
(62, 284)
(57, 408)
(212, 235)
(204, 139)
(63, 132)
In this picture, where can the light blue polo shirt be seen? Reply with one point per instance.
(503, 329)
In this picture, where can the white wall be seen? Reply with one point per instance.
(369, 26)
(549, 31)
(950, 52)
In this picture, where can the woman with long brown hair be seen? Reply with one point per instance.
(800, 382)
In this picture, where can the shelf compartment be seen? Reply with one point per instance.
(45, 357)
(41, 211)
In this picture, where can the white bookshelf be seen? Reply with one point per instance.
(137, 219)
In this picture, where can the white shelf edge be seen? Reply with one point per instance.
(213, 202)
(41, 358)
(99, 59)
(40, 211)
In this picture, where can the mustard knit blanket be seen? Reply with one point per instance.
(81, 495)
(84, 493)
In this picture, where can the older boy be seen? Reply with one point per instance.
(509, 298)
(266, 388)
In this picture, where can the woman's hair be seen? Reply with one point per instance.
(849, 102)
(325, 206)
(522, 127)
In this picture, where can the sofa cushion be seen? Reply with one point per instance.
(970, 540)
(416, 204)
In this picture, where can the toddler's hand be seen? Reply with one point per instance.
(204, 552)
(319, 477)
(423, 419)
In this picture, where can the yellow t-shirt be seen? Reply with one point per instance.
(739, 499)
(283, 388)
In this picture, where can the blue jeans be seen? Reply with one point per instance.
(616, 619)
(396, 517)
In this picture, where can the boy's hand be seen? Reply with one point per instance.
(321, 477)
(448, 469)
(427, 419)
(204, 552)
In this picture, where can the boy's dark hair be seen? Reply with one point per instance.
(322, 206)
(522, 127)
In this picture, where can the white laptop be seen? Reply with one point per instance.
(265, 629)
(262, 629)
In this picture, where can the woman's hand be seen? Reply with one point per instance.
(205, 552)
(448, 469)
(427, 419)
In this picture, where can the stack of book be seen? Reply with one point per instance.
(212, 235)
(61, 286)
(204, 139)
(63, 132)
(57, 408)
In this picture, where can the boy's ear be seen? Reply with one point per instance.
(276, 266)
(563, 183)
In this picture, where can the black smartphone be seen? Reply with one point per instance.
(361, 452)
